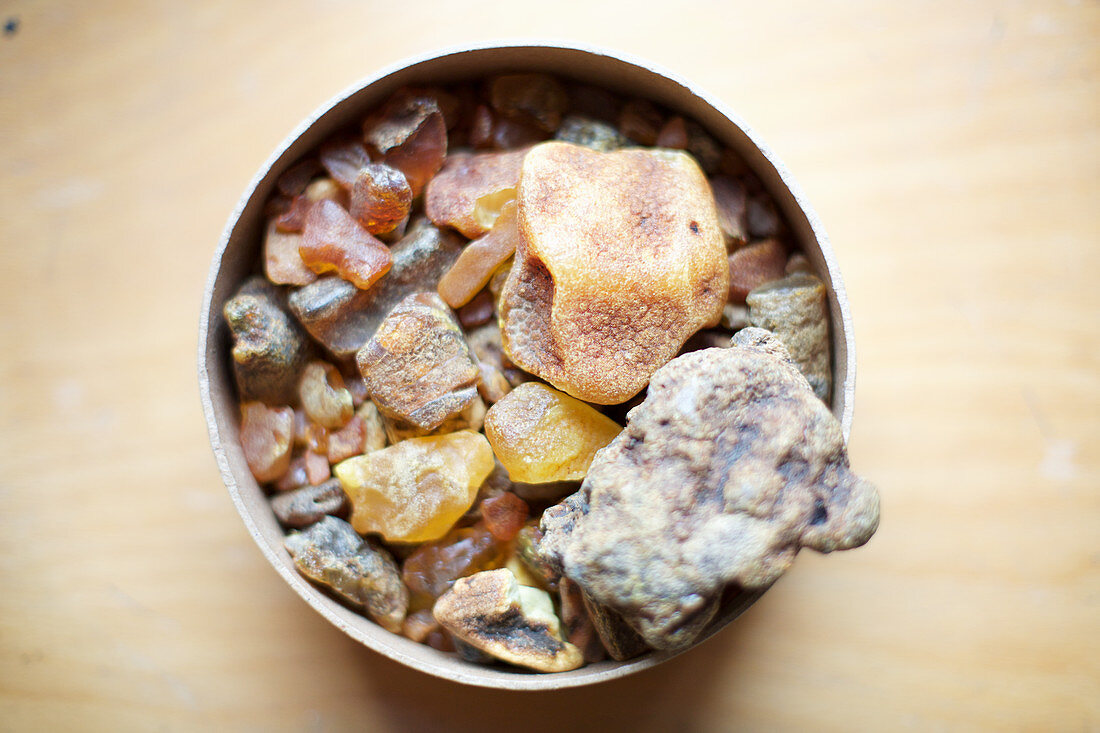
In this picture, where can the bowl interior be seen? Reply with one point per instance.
(239, 250)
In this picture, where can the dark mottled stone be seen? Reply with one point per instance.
(269, 350)
(309, 504)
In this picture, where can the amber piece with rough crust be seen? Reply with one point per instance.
(515, 623)
(481, 258)
(453, 195)
(333, 241)
(417, 367)
(619, 260)
(344, 158)
(265, 439)
(416, 490)
(543, 435)
(324, 397)
(411, 135)
(268, 347)
(380, 198)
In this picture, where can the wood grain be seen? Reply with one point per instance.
(952, 151)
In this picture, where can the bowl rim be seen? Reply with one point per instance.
(490, 677)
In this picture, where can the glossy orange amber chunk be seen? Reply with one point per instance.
(266, 434)
(333, 241)
(380, 198)
(481, 258)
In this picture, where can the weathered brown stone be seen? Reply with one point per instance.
(617, 637)
(417, 366)
(268, 348)
(434, 566)
(579, 629)
(309, 504)
(343, 317)
(795, 309)
(359, 571)
(595, 303)
(510, 622)
(728, 468)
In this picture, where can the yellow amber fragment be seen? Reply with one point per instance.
(416, 490)
(543, 435)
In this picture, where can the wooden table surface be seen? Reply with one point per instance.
(952, 151)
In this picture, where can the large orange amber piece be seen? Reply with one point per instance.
(543, 435)
(470, 190)
(480, 259)
(416, 490)
(619, 260)
(333, 241)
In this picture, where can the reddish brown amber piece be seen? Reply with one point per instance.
(418, 625)
(294, 218)
(347, 441)
(266, 434)
(481, 258)
(295, 476)
(435, 566)
(640, 121)
(755, 265)
(333, 241)
(471, 189)
(478, 311)
(481, 127)
(343, 158)
(534, 99)
(673, 134)
(380, 198)
(731, 201)
(410, 135)
(504, 515)
(294, 180)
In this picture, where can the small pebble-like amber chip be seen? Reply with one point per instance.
(542, 435)
(380, 198)
(416, 490)
(480, 259)
(266, 433)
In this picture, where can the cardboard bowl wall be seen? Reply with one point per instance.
(239, 251)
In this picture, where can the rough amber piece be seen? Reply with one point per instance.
(326, 188)
(481, 258)
(411, 135)
(415, 491)
(755, 265)
(542, 435)
(293, 219)
(504, 515)
(295, 476)
(266, 433)
(380, 198)
(324, 397)
(453, 195)
(417, 367)
(536, 99)
(347, 441)
(282, 263)
(333, 241)
(343, 158)
(375, 432)
(508, 134)
(435, 566)
(294, 179)
(619, 259)
(418, 625)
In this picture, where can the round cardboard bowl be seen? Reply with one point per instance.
(239, 250)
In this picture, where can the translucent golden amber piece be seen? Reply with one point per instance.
(480, 259)
(380, 198)
(619, 260)
(542, 435)
(452, 196)
(334, 242)
(416, 490)
(324, 397)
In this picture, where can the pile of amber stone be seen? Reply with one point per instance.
(460, 301)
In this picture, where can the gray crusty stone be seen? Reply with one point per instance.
(269, 350)
(728, 468)
(333, 554)
(794, 309)
(309, 504)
